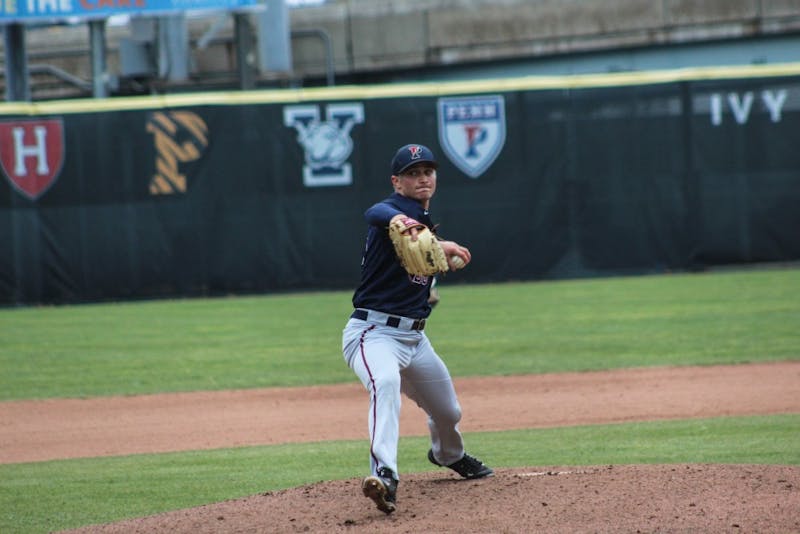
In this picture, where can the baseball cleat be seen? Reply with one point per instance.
(468, 466)
(382, 489)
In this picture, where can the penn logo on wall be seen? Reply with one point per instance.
(32, 154)
(327, 144)
(472, 131)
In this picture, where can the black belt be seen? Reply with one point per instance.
(418, 324)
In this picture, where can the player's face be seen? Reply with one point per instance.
(417, 182)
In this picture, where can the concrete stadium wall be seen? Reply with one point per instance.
(373, 37)
(384, 34)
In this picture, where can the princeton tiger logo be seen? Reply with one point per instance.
(179, 137)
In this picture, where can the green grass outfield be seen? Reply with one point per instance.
(502, 329)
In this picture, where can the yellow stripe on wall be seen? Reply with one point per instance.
(367, 92)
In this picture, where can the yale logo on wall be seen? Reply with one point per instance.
(326, 144)
(472, 131)
(32, 153)
(179, 137)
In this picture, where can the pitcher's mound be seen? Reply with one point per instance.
(638, 498)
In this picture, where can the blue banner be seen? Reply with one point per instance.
(48, 10)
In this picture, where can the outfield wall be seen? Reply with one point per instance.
(542, 177)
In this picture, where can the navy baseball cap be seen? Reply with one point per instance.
(409, 155)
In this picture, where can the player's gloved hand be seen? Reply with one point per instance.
(416, 247)
(405, 224)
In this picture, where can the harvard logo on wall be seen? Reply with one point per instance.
(31, 154)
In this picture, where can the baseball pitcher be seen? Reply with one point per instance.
(384, 341)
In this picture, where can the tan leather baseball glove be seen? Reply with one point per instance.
(424, 256)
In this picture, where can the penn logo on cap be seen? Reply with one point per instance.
(412, 154)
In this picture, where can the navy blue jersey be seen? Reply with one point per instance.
(385, 285)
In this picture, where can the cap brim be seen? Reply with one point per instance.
(410, 164)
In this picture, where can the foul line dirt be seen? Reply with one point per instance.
(109, 426)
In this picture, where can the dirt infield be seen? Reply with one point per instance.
(613, 499)
(691, 498)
